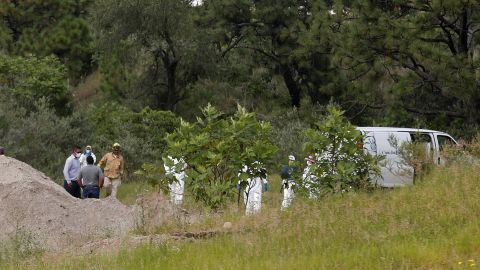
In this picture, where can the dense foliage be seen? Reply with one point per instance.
(49, 27)
(216, 147)
(28, 79)
(341, 163)
(94, 67)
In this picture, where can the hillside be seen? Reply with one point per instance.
(433, 225)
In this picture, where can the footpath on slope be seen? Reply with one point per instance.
(31, 203)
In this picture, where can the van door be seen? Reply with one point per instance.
(442, 140)
(394, 171)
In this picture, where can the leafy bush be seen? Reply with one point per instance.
(340, 163)
(141, 134)
(42, 139)
(30, 78)
(215, 148)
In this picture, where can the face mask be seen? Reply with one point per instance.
(77, 155)
(88, 151)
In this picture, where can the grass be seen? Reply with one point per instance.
(432, 225)
(127, 192)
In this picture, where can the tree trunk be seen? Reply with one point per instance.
(171, 69)
(292, 85)
(463, 35)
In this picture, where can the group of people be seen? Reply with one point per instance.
(81, 173)
(255, 184)
(288, 180)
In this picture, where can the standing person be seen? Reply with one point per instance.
(310, 180)
(91, 179)
(177, 187)
(2, 151)
(113, 166)
(288, 182)
(253, 191)
(88, 152)
(71, 171)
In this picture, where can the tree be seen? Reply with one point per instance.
(420, 57)
(216, 147)
(277, 33)
(158, 41)
(45, 27)
(28, 79)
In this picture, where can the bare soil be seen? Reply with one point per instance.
(31, 203)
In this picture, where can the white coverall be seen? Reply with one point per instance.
(176, 187)
(309, 180)
(83, 159)
(288, 194)
(252, 195)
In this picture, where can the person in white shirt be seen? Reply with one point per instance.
(71, 171)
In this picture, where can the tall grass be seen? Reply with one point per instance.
(432, 225)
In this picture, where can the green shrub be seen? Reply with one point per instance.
(340, 163)
(42, 139)
(215, 148)
(141, 134)
(29, 79)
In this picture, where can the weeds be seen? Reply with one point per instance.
(21, 244)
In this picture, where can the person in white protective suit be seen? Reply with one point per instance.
(177, 187)
(288, 183)
(309, 179)
(255, 184)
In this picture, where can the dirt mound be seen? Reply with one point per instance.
(31, 203)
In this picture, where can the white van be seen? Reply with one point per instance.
(394, 172)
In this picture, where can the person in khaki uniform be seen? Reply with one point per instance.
(112, 164)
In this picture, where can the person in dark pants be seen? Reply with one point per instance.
(91, 179)
(71, 171)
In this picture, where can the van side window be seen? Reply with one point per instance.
(422, 138)
(444, 140)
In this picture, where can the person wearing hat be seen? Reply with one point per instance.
(113, 166)
(288, 182)
(87, 153)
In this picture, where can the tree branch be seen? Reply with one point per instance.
(434, 112)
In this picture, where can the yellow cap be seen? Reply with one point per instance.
(116, 145)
